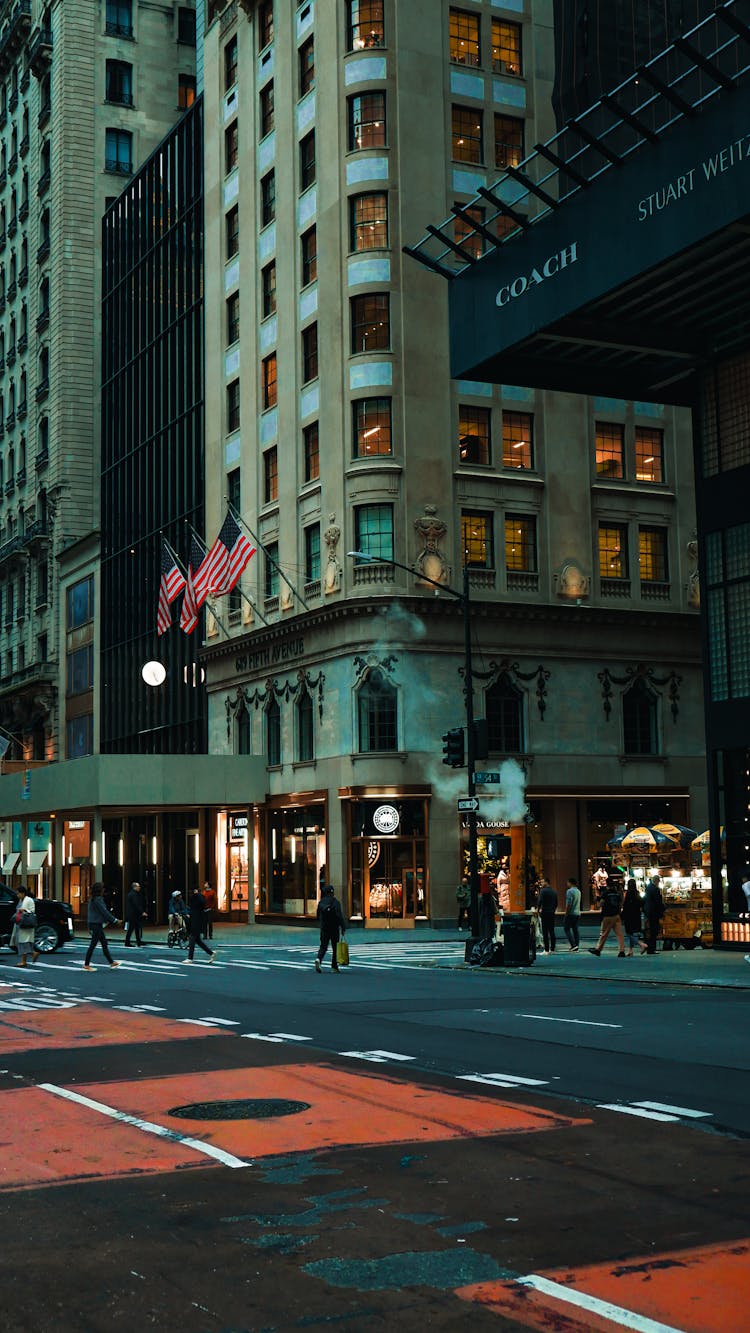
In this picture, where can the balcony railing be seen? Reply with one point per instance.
(39, 51)
(42, 252)
(654, 590)
(43, 183)
(45, 111)
(119, 168)
(42, 388)
(373, 573)
(119, 29)
(22, 409)
(23, 277)
(21, 476)
(615, 587)
(41, 460)
(42, 320)
(522, 581)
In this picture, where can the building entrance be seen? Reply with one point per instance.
(388, 847)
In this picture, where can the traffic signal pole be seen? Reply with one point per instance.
(470, 758)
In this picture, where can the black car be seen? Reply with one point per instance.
(54, 920)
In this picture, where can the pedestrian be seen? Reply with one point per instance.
(332, 924)
(463, 898)
(572, 913)
(631, 918)
(611, 902)
(25, 911)
(209, 898)
(197, 926)
(502, 887)
(177, 909)
(135, 911)
(746, 890)
(99, 916)
(653, 910)
(547, 905)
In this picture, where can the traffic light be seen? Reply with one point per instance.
(453, 747)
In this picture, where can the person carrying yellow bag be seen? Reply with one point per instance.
(332, 927)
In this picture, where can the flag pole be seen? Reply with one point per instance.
(245, 597)
(183, 571)
(239, 519)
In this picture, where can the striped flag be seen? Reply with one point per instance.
(171, 584)
(192, 601)
(221, 569)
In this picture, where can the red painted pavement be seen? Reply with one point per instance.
(44, 1029)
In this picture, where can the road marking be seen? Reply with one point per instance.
(259, 1036)
(674, 1110)
(223, 1022)
(377, 1057)
(504, 1080)
(546, 1018)
(290, 1036)
(638, 1110)
(148, 1127)
(605, 1309)
(196, 1022)
(254, 967)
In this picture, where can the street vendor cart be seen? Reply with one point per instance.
(687, 920)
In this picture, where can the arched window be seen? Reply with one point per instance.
(377, 714)
(243, 730)
(639, 722)
(504, 705)
(273, 733)
(305, 734)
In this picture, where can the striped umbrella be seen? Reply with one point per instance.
(642, 839)
(679, 834)
(704, 839)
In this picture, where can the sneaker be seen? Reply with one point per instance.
(596, 951)
(622, 955)
(334, 967)
(574, 949)
(318, 968)
(211, 959)
(188, 960)
(88, 968)
(115, 964)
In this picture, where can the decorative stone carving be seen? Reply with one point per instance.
(694, 581)
(430, 530)
(572, 583)
(332, 537)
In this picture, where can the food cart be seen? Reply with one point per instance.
(687, 919)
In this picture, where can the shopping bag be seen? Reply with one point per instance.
(342, 953)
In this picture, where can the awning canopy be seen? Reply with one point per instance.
(10, 862)
(34, 862)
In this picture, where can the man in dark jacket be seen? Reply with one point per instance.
(653, 911)
(197, 926)
(135, 912)
(99, 916)
(547, 906)
(332, 924)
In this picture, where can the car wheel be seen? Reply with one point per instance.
(46, 939)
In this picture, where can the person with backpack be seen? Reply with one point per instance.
(332, 926)
(611, 900)
(653, 911)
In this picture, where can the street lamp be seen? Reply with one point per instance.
(464, 598)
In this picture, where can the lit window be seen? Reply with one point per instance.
(520, 543)
(473, 434)
(649, 454)
(463, 29)
(365, 24)
(371, 433)
(371, 322)
(368, 221)
(270, 475)
(506, 47)
(652, 555)
(610, 449)
(476, 541)
(464, 233)
(185, 91)
(311, 447)
(367, 123)
(518, 440)
(270, 386)
(509, 141)
(466, 131)
(613, 551)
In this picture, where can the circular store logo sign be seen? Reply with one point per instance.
(386, 819)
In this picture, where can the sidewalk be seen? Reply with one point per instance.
(680, 967)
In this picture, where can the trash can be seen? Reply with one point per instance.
(519, 940)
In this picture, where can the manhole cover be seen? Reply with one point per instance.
(246, 1108)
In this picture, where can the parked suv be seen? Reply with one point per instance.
(54, 920)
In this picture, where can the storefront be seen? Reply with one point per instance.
(387, 838)
(293, 855)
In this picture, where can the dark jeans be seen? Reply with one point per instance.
(135, 923)
(486, 916)
(329, 937)
(197, 939)
(652, 931)
(548, 931)
(571, 930)
(463, 911)
(98, 937)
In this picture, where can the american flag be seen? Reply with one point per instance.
(221, 569)
(192, 601)
(171, 584)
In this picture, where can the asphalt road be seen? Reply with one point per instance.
(407, 1145)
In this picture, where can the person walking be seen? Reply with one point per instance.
(197, 927)
(611, 901)
(135, 911)
(209, 898)
(631, 919)
(332, 926)
(547, 905)
(99, 916)
(573, 913)
(463, 898)
(653, 910)
(24, 934)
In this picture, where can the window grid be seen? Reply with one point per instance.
(652, 555)
(233, 318)
(467, 136)
(232, 231)
(518, 439)
(312, 553)
(368, 215)
(307, 169)
(268, 289)
(307, 66)
(374, 531)
(476, 540)
(309, 253)
(365, 24)
(649, 454)
(474, 434)
(377, 714)
(372, 427)
(371, 324)
(520, 543)
(267, 110)
(509, 141)
(268, 198)
(230, 64)
(613, 551)
(504, 711)
(270, 475)
(311, 445)
(610, 449)
(310, 353)
(464, 38)
(506, 47)
(464, 233)
(270, 385)
(367, 121)
(233, 405)
(231, 147)
(265, 24)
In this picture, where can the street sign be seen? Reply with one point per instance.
(486, 777)
(468, 803)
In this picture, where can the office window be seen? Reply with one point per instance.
(119, 18)
(474, 434)
(186, 26)
(377, 714)
(307, 161)
(80, 670)
(639, 720)
(268, 289)
(118, 152)
(79, 736)
(265, 24)
(613, 551)
(477, 540)
(119, 82)
(270, 475)
(371, 323)
(234, 489)
(365, 24)
(610, 449)
(270, 387)
(233, 405)
(368, 221)
(371, 430)
(520, 543)
(465, 234)
(309, 254)
(79, 603)
(230, 63)
(504, 711)
(268, 198)
(233, 318)
(243, 730)
(186, 88)
(367, 122)
(231, 147)
(306, 56)
(273, 729)
(303, 709)
(518, 439)
(466, 133)
(652, 555)
(267, 112)
(311, 448)
(271, 570)
(310, 353)
(373, 531)
(509, 141)
(506, 47)
(232, 231)
(649, 454)
(463, 38)
(42, 583)
(312, 553)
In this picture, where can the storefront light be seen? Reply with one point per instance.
(104, 847)
(28, 850)
(62, 850)
(49, 854)
(121, 852)
(154, 849)
(197, 849)
(93, 851)
(273, 843)
(293, 850)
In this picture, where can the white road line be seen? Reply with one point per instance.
(605, 1309)
(638, 1110)
(290, 1036)
(223, 1022)
(674, 1110)
(583, 1022)
(255, 967)
(147, 1126)
(377, 1057)
(504, 1080)
(196, 1022)
(259, 1036)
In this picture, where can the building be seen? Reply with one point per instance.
(333, 427)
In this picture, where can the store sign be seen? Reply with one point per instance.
(237, 827)
(525, 282)
(288, 650)
(386, 818)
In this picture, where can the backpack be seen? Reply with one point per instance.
(328, 910)
(611, 902)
